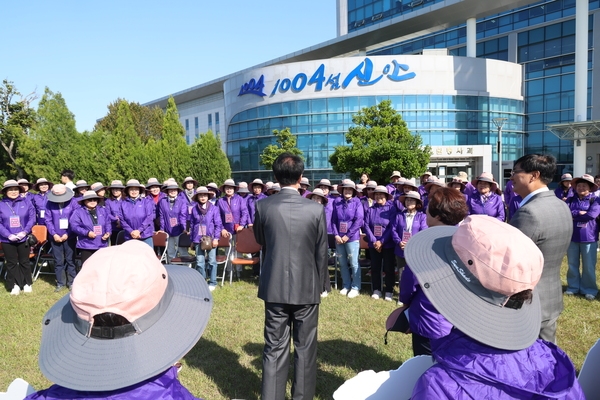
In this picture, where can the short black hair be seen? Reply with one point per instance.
(288, 169)
(545, 164)
(68, 173)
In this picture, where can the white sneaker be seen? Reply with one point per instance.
(353, 293)
(324, 294)
(344, 291)
(15, 291)
(376, 294)
(388, 296)
(27, 289)
(400, 304)
(211, 288)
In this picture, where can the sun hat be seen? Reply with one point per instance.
(486, 177)
(134, 183)
(171, 185)
(396, 174)
(275, 188)
(42, 181)
(259, 182)
(381, 189)
(348, 184)
(60, 193)
(304, 181)
(24, 181)
(153, 182)
(213, 186)
(411, 195)
(167, 306)
(325, 182)
(228, 182)
(585, 178)
(243, 188)
(566, 177)
(202, 190)
(360, 187)
(458, 180)
(434, 180)
(319, 193)
(463, 176)
(81, 184)
(116, 184)
(369, 185)
(189, 179)
(412, 182)
(88, 195)
(97, 186)
(469, 273)
(268, 184)
(12, 183)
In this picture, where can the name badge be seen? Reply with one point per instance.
(202, 230)
(582, 224)
(15, 221)
(173, 222)
(63, 223)
(378, 231)
(97, 230)
(405, 236)
(42, 213)
(343, 227)
(228, 218)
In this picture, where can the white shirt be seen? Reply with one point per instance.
(530, 195)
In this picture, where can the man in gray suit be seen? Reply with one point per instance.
(293, 233)
(547, 221)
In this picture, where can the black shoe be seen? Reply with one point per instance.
(59, 288)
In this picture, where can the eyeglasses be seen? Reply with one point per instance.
(516, 171)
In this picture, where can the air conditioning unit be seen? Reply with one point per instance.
(415, 3)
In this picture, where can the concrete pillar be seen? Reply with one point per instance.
(581, 51)
(342, 17)
(471, 37)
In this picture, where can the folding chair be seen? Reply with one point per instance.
(363, 263)
(120, 238)
(160, 241)
(184, 241)
(246, 243)
(36, 252)
(225, 245)
(332, 258)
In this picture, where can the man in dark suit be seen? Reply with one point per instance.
(547, 221)
(293, 233)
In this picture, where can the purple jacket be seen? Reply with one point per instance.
(560, 193)
(137, 215)
(187, 201)
(81, 224)
(365, 203)
(467, 369)
(424, 319)
(113, 207)
(251, 205)
(383, 216)
(163, 386)
(419, 223)
(351, 214)
(172, 216)
(39, 202)
(584, 226)
(11, 209)
(513, 206)
(509, 192)
(57, 211)
(211, 222)
(329, 214)
(493, 207)
(237, 212)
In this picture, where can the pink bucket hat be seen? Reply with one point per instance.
(260, 183)
(469, 274)
(60, 193)
(203, 190)
(162, 304)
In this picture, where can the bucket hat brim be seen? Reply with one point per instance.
(430, 255)
(77, 362)
(575, 181)
(66, 196)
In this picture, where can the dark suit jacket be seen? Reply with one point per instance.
(293, 233)
(547, 221)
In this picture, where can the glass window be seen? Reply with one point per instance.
(303, 106)
(422, 102)
(535, 87)
(275, 110)
(288, 108)
(535, 104)
(367, 101)
(187, 124)
(336, 139)
(319, 105)
(351, 104)
(552, 48)
(552, 102)
(335, 104)
(552, 85)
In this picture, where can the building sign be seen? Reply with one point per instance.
(320, 79)
(459, 151)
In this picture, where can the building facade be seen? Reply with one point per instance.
(523, 71)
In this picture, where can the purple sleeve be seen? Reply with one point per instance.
(357, 221)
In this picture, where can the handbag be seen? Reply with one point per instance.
(206, 243)
(32, 240)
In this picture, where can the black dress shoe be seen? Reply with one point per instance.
(59, 288)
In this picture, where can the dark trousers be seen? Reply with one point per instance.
(385, 260)
(85, 254)
(302, 320)
(18, 267)
(64, 260)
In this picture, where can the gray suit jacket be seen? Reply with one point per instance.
(293, 233)
(547, 221)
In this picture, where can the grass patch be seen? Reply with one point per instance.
(227, 361)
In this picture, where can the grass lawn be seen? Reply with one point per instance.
(226, 362)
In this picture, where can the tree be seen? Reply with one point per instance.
(147, 122)
(16, 118)
(286, 142)
(53, 143)
(209, 162)
(380, 143)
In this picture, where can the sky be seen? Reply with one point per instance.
(96, 52)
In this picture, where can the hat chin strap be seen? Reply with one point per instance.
(138, 326)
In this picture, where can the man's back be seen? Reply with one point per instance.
(548, 222)
(293, 233)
